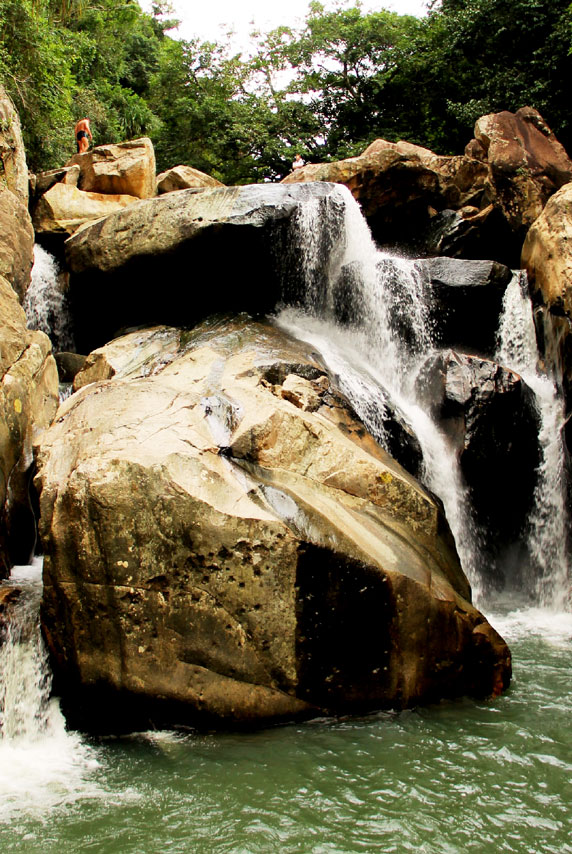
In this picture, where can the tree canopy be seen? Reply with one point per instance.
(326, 90)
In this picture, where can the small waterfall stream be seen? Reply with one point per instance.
(375, 335)
(548, 524)
(45, 303)
(41, 764)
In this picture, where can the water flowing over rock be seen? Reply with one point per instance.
(466, 301)
(400, 186)
(472, 206)
(125, 169)
(224, 543)
(547, 258)
(490, 416)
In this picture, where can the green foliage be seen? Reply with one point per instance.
(325, 91)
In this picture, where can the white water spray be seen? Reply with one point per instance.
(45, 302)
(41, 765)
(377, 352)
(548, 523)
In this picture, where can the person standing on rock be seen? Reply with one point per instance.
(298, 162)
(82, 131)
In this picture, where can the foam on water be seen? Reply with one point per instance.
(42, 765)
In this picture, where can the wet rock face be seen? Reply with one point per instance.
(466, 301)
(490, 416)
(225, 544)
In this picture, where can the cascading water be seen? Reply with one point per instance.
(459, 776)
(40, 763)
(45, 302)
(373, 328)
(548, 524)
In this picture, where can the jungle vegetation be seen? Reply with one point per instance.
(326, 90)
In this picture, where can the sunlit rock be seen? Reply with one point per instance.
(125, 168)
(63, 209)
(184, 178)
(225, 544)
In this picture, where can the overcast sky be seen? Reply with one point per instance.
(205, 18)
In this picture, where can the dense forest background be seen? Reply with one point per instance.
(326, 90)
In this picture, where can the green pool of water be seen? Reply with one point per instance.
(456, 777)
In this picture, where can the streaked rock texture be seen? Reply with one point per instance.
(28, 402)
(225, 544)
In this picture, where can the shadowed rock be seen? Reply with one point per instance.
(490, 416)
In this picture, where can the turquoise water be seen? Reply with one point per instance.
(456, 777)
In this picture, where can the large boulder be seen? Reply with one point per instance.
(123, 169)
(63, 209)
(16, 241)
(13, 166)
(184, 178)
(526, 164)
(490, 416)
(547, 253)
(28, 402)
(225, 544)
(189, 242)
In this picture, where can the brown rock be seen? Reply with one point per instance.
(399, 185)
(125, 169)
(184, 178)
(16, 242)
(13, 167)
(225, 545)
(547, 252)
(63, 209)
(526, 163)
(28, 401)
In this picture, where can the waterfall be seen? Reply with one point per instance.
(41, 765)
(45, 303)
(373, 330)
(25, 674)
(548, 524)
(372, 326)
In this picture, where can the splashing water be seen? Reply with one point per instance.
(41, 764)
(374, 332)
(548, 523)
(45, 303)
